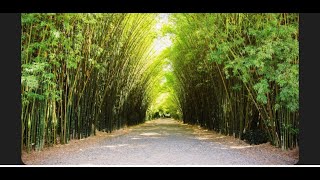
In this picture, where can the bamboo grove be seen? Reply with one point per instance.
(238, 73)
(82, 73)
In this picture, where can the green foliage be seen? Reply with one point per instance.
(233, 68)
(82, 73)
(262, 88)
(255, 137)
(232, 73)
(163, 95)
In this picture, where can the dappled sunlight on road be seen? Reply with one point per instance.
(150, 134)
(116, 146)
(163, 142)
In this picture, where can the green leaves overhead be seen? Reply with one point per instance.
(82, 73)
(231, 73)
(262, 88)
(238, 72)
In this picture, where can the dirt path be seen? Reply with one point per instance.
(161, 142)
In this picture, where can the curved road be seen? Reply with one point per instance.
(160, 142)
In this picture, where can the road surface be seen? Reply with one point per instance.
(160, 142)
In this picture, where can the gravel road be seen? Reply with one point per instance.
(160, 142)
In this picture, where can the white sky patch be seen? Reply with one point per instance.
(161, 42)
(163, 80)
(163, 18)
(168, 67)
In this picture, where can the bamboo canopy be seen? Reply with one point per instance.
(232, 73)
